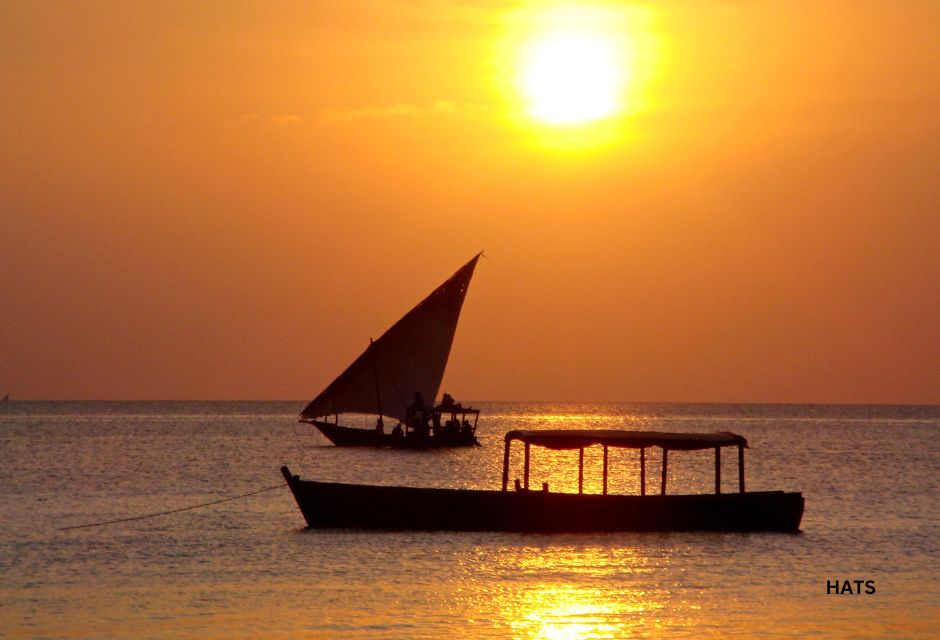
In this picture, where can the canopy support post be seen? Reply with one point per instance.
(665, 459)
(717, 470)
(506, 466)
(605, 469)
(525, 476)
(741, 468)
(642, 471)
(581, 470)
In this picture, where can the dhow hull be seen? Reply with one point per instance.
(350, 437)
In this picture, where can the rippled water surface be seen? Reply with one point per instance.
(248, 568)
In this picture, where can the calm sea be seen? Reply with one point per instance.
(248, 568)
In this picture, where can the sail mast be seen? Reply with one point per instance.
(375, 374)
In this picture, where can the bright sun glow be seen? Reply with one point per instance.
(572, 78)
(574, 64)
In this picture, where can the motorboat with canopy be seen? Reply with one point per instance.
(325, 504)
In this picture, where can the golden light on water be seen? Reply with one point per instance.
(587, 590)
(569, 618)
(560, 612)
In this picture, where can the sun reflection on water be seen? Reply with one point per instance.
(564, 617)
(567, 613)
(559, 607)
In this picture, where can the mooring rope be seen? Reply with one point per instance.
(163, 513)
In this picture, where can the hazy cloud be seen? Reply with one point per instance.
(277, 121)
(399, 110)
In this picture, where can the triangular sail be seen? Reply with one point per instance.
(410, 357)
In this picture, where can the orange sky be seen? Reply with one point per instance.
(227, 199)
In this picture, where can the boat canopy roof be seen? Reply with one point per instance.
(578, 438)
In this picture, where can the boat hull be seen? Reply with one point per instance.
(350, 437)
(334, 505)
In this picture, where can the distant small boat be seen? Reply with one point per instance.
(396, 373)
(6, 398)
(327, 505)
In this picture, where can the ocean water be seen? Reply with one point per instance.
(247, 568)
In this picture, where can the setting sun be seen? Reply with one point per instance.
(574, 64)
(571, 78)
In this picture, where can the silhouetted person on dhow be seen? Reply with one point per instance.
(418, 416)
